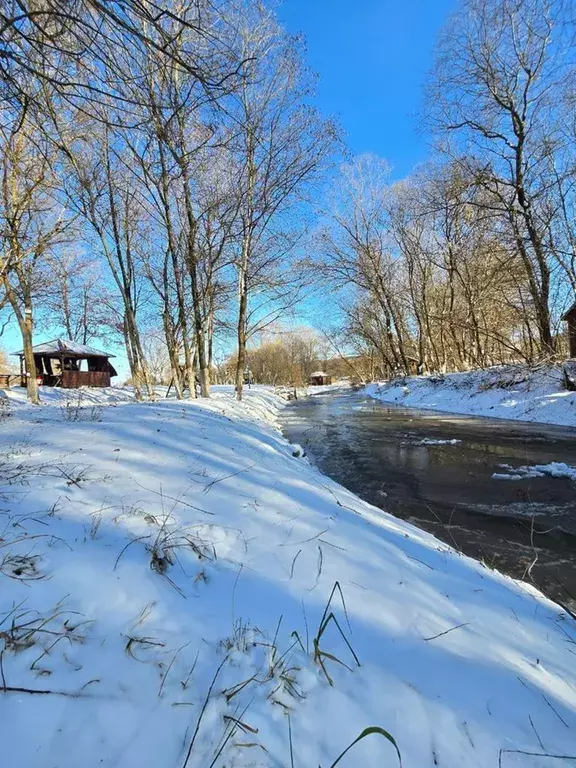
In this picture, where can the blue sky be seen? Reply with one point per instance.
(372, 57)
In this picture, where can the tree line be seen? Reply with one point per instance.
(156, 162)
(471, 260)
(163, 173)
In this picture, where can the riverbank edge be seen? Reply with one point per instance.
(512, 393)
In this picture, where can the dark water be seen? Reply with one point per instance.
(526, 528)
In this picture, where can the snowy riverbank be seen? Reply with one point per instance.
(169, 572)
(509, 392)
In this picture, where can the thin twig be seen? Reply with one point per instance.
(290, 739)
(170, 667)
(42, 692)
(174, 498)
(532, 754)
(207, 487)
(440, 634)
(294, 563)
(536, 732)
(133, 541)
(235, 724)
(329, 543)
(202, 711)
(233, 606)
(558, 715)
(2, 670)
(304, 541)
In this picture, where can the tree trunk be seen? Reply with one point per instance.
(189, 364)
(172, 348)
(26, 328)
(26, 325)
(204, 373)
(241, 332)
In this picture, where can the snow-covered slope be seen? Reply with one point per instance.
(168, 576)
(506, 392)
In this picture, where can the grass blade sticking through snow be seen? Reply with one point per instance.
(368, 732)
(319, 653)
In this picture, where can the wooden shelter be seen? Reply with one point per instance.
(319, 378)
(8, 380)
(570, 318)
(65, 363)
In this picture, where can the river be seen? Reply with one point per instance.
(399, 460)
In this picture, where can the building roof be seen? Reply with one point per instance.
(569, 311)
(318, 373)
(65, 347)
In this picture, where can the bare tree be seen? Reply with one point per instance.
(358, 250)
(499, 77)
(83, 49)
(99, 188)
(282, 146)
(282, 356)
(33, 223)
(186, 146)
(79, 301)
(179, 164)
(424, 272)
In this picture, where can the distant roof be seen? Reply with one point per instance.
(318, 373)
(569, 312)
(66, 347)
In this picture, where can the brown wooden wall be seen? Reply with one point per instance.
(75, 379)
(9, 379)
(571, 319)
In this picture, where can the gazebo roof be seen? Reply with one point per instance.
(569, 312)
(65, 347)
(318, 373)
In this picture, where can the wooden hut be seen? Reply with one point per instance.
(64, 363)
(8, 380)
(570, 318)
(318, 378)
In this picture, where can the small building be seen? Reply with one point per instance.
(65, 363)
(8, 380)
(570, 318)
(319, 378)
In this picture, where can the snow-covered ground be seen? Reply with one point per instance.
(507, 392)
(179, 590)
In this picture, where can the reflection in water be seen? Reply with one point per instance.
(376, 450)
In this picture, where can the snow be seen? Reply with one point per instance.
(59, 346)
(505, 392)
(554, 469)
(437, 441)
(165, 568)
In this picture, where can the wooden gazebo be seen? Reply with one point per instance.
(65, 363)
(319, 378)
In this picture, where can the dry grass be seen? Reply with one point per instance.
(5, 407)
(74, 408)
(21, 630)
